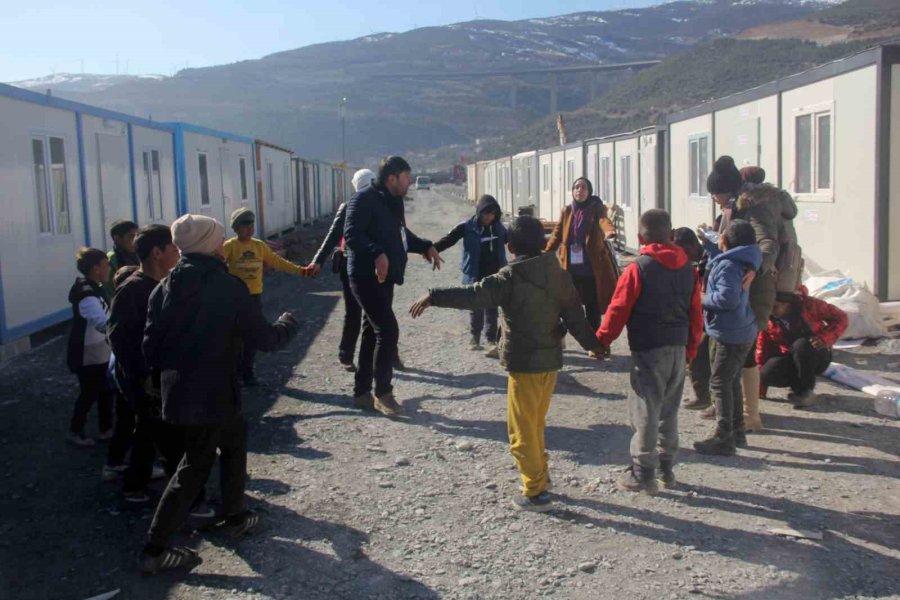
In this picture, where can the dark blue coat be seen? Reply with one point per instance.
(727, 313)
(374, 225)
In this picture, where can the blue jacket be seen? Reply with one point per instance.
(374, 225)
(727, 313)
(474, 235)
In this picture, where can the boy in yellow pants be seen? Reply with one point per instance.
(536, 297)
(246, 257)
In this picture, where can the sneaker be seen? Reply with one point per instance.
(740, 438)
(719, 444)
(364, 401)
(387, 405)
(112, 473)
(139, 497)
(475, 342)
(540, 503)
(492, 351)
(239, 524)
(349, 367)
(170, 558)
(79, 439)
(105, 436)
(158, 473)
(709, 413)
(250, 380)
(803, 400)
(696, 404)
(638, 479)
(202, 510)
(666, 479)
(549, 484)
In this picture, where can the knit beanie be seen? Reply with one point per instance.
(755, 175)
(242, 216)
(362, 178)
(725, 177)
(197, 234)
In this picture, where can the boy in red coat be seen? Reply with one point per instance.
(796, 346)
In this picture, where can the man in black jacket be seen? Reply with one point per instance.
(377, 242)
(197, 319)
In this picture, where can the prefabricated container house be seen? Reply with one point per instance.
(525, 179)
(472, 182)
(277, 205)
(831, 137)
(504, 193)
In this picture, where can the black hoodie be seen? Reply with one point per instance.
(484, 251)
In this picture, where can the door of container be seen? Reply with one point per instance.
(115, 182)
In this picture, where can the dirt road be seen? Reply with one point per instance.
(359, 506)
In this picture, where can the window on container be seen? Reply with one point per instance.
(698, 156)
(203, 169)
(823, 151)
(545, 178)
(60, 186)
(148, 182)
(286, 174)
(626, 181)
(270, 183)
(156, 180)
(570, 174)
(41, 189)
(605, 178)
(528, 182)
(804, 152)
(243, 167)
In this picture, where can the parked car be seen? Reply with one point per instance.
(423, 183)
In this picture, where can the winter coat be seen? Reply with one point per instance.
(728, 315)
(596, 250)
(87, 338)
(198, 318)
(810, 318)
(536, 297)
(125, 332)
(117, 260)
(475, 236)
(375, 225)
(658, 298)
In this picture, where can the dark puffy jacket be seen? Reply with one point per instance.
(472, 232)
(75, 349)
(536, 297)
(335, 234)
(197, 319)
(374, 225)
(727, 311)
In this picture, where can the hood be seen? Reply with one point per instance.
(668, 255)
(189, 276)
(748, 255)
(535, 270)
(487, 204)
(83, 288)
(767, 195)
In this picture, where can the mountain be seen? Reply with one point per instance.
(81, 83)
(416, 91)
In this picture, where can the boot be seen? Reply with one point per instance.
(701, 397)
(709, 412)
(667, 474)
(750, 384)
(638, 479)
(721, 443)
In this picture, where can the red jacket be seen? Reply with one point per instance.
(628, 289)
(825, 321)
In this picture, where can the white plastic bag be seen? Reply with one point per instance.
(862, 307)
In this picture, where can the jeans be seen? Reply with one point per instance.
(93, 388)
(657, 382)
(798, 369)
(727, 363)
(352, 318)
(700, 371)
(380, 334)
(248, 352)
(484, 319)
(200, 444)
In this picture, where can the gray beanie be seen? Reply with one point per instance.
(197, 234)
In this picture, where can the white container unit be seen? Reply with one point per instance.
(472, 183)
(525, 180)
(43, 207)
(215, 172)
(545, 185)
(277, 205)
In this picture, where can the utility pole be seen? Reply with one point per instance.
(343, 133)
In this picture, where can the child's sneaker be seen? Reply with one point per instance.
(158, 473)
(348, 366)
(492, 351)
(105, 436)
(638, 479)
(803, 400)
(540, 503)
(740, 437)
(475, 343)
(112, 473)
(81, 440)
(666, 479)
(709, 413)
(364, 401)
(239, 524)
(721, 443)
(170, 558)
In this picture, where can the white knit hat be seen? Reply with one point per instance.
(362, 178)
(197, 234)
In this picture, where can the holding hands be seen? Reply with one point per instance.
(417, 309)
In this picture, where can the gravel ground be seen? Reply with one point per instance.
(360, 506)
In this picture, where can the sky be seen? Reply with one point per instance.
(42, 37)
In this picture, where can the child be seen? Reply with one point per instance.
(698, 369)
(535, 294)
(658, 297)
(796, 346)
(731, 327)
(246, 257)
(484, 238)
(122, 255)
(88, 353)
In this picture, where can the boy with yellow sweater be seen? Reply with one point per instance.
(246, 258)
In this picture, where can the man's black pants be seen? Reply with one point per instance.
(380, 334)
(352, 318)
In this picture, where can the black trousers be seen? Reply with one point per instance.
(248, 352)
(380, 334)
(200, 444)
(93, 387)
(587, 291)
(123, 432)
(727, 362)
(797, 370)
(484, 319)
(151, 435)
(352, 318)
(700, 371)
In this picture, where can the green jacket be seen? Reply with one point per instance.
(536, 297)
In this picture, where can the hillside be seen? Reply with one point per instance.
(292, 98)
(853, 20)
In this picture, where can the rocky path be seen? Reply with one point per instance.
(359, 506)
